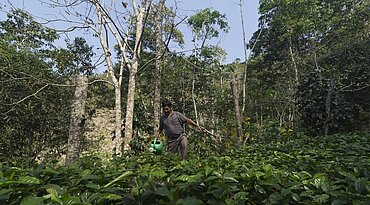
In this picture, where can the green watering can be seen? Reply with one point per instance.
(157, 146)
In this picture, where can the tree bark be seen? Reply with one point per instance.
(244, 84)
(117, 81)
(77, 120)
(158, 65)
(238, 120)
(133, 67)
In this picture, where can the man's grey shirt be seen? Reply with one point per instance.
(173, 124)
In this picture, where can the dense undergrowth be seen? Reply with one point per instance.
(325, 170)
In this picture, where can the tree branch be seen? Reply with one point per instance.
(32, 95)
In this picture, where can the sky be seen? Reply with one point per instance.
(232, 42)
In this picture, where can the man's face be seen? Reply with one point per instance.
(167, 110)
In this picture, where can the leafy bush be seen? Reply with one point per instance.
(327, 170)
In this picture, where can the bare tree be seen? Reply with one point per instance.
(238, 118)
(128, 56)
(158, 64)
(244, 84)
(139, 13)
(77, 120)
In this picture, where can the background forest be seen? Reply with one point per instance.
(287, 124)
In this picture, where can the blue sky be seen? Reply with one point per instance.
(232, 42)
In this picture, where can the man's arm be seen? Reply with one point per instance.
(156, 135)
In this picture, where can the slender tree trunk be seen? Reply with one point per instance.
(234, 92)
(294, 65)
(194, 79)
(193, 97)
(328, 106)
(118, 122)
(77, 120)
(116, 81)
(244, 84)
(140, 14)
(158, 65)
(130, 106)
(296, 80)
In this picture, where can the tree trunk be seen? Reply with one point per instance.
(77, 120)
(238, 120)
(118, 122)
(158, 65)
(116, 81)
(193, 97)
(244, 84)
(130, 106)
(133, 67)
(328, 106)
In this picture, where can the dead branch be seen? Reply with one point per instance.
(32, 95)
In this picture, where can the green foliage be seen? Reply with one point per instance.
(33, 112)
(299, 49)
(350, 102)
(203, 23)
(76, 59)
(329, 170)
(21, 31)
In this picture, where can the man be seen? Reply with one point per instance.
(173, 124)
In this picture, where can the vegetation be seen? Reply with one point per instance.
(327, 170)
(289, 125)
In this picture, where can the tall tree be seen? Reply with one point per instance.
(129, 55)
(158, 64)
(80, 67)
(205, 25)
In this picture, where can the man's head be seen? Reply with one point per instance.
(167, 107)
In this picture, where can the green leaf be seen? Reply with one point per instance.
(71, 200)
(304, 175)
(208, 170)
(52, 191)
(187, 178)
(211, 178)
(85, 172)
(232, 179)
(323, 198)
(241, 195)
(32, 200)
(348, 175)
(93, 186)
(267, 168)
(28, 180)
(112, 197)
(259, 174)
(295, 197)
(135, 191)
(159, 173)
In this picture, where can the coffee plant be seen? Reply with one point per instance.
(326, 170)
